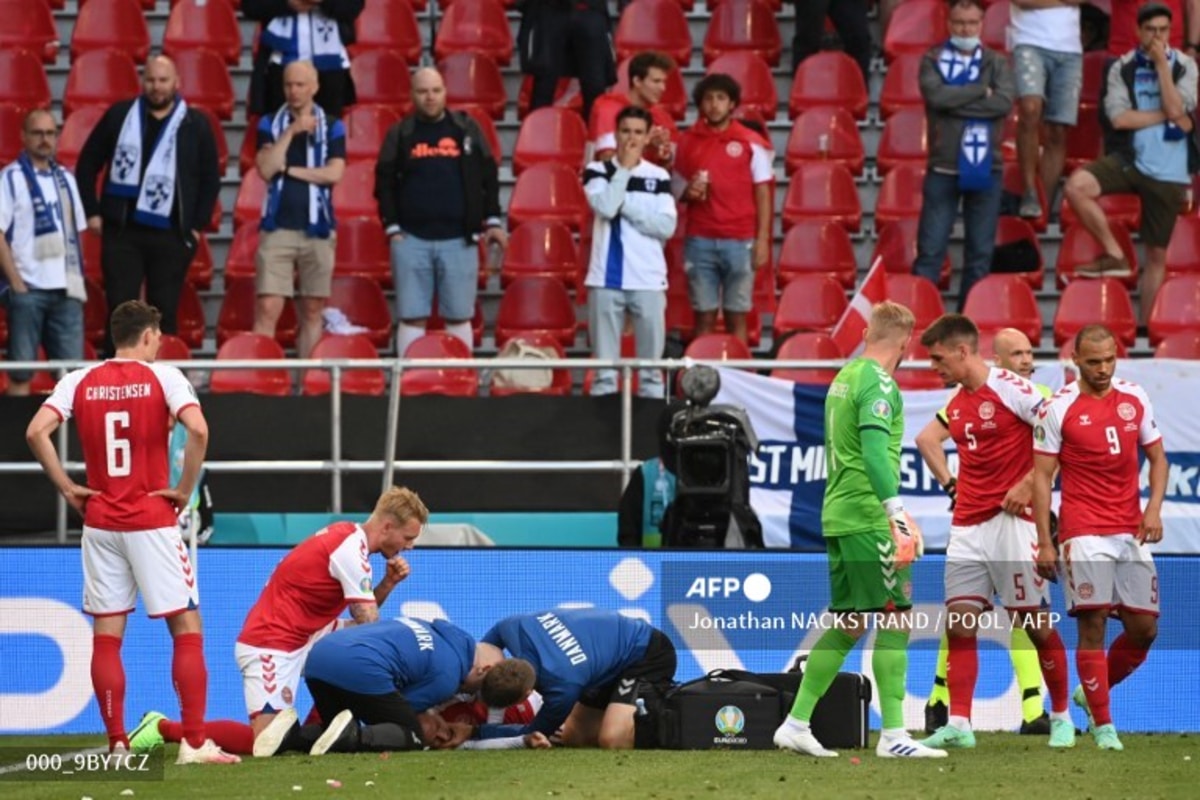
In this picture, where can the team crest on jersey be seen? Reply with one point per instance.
(734, 150)
(651, 184)
(1039, 434)
(987, 409)
(286, 694)
(882, 409)
(1126, 411)
(1085, 591)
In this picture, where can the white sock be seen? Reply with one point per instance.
(797, 725)
(962, 723)
(894, 733)
(1063, 715)
(462, 330)
(406, 335)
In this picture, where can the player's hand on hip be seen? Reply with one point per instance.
(1150, 530)
(1047, 560)
(397, 569)
(77, 496)
(537, 741)
(176, 497)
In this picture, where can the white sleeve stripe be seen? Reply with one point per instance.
(761, 161)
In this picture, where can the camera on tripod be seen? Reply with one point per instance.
(709, 449)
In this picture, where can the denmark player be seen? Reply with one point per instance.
(993, 541)
(305, 595)
(1091, 431)
(122, 410)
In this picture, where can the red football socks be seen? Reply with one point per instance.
(230, 736)
(1053, 658)
(108, 681)
(1123, 658)
(961, 673)
(1093, 674)
(191, 684)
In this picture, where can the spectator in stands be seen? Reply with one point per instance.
(303, 30)
(161, 187)
(724, 172)
(1148, 103)
(41, 261)
(1048, 64)
(566, 38)
(437, 188)
(301, 156)
(648, 73)
(634, 217)
(968, 92)
(1185, 25)
(849, 18)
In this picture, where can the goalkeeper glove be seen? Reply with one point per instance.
(905, 533)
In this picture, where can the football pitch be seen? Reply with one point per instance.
(1003, 766)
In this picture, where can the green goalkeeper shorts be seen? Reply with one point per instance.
(863, 575)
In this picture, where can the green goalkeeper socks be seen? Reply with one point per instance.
(820, 669)
(1029, 674)
(890, 664)
(941, 692)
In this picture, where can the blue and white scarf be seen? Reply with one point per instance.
(155, 192)
(48, 241)
(975, 147)
(308, 36)
(320, 198)
(1171, 131)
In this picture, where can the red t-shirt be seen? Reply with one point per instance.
(310, 588)
(991, 430)
(123, 412)
(737, 159)
(602, 125)
(1096, 440)
(1122, 30)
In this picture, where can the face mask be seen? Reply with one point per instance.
(964, 43)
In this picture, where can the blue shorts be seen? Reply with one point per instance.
(447, 268)
(1055, 77)
(720, 273)
(46, 317)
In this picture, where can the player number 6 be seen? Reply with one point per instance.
(116, 449)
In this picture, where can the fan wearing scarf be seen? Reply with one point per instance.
(41, 262)
(1150, 148)
(301, 156)
(968, 92)
(162, 181)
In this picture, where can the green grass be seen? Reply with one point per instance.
(1003, 766)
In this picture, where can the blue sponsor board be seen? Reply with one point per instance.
(45, 641)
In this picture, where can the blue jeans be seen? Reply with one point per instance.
(46, 317)
(422, 268)
(720, 273)
(939, 207)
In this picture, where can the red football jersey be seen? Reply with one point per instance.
(602, 125)
(1096, 440)
(310, 588)
(736, 159)
(990, 427)
(123, 412)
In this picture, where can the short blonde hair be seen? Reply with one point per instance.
(890, 321)
(403, 504)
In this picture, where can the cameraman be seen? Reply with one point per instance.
(651, 490)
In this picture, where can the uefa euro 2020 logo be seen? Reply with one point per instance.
(730, 721)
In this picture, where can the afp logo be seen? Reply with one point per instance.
(755, 587)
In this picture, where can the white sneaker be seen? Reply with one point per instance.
(270, 738)
(207, 753)
(333, 734)
(905, 747)
(800, 740)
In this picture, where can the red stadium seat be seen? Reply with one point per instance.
(550, 134)
(205, 81)
(1010, 230)
(754, 76)
(743, 26)
(995, 26)
(901, 86)
(148, 5)
(1014, 183)
(474, 80)
(916, 26)
(91, 257)
(363, 303)
(1085, 140)
(905, 140)
(1183, 253)
(452, 382)
(810, 346)
(551, 192)
(1008, 138)
(817, 247)
(1103, 300)
(566, 95)
(207, 24)
(540, 248)
(1176, 308)
(354, 195)
(247, 207)
(219, 137)
(475, 26)
(828, 79)
(1004, 301)
(915, 378)
(354, 381)
(810, 303)
(536, 304)
(172, 348)
(488, 128)
(718, 346)
(381, 77)
(119, 24)
(12, 121)
(825, 134)
(363, 250)
(1181, 344)
(1095, 72)
(366, 127)
(200, 273)
(388, 25)
(653, 25)
(44, 381)
(1121, 210)
(250, 346)
(74, 133)
(237, 314)
(920, 295)
(30, 26)
(23, 80)
(824, 191)
(240, 261)
(100, 77)
(1078, 248)
(675, 99)
(189, 319)
(897, 246)
(560, 379)
(901, 194)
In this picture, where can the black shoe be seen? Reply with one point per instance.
(341, 736)
(1038, 727)
(937, 715)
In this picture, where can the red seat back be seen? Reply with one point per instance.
(743, 26)
(817, 247)
(718, 347)
(474, 80)
(354, 381)
(23, 80)
(824, 191)
(363, 303)
(536, 304)
(551, 134)
(208, 24)
(100, 77)
(74, 133)
(1004, 301)
(475, 26)
(900, 195)
(1103, 300)
(653, 25)
(902, 86)
(810, 302)
(354, 195)
(29, 24)
(362, 250)
(915, 26)
(205, 81)
(237, 314)
(825, 134)
(189, 318)
(808, 345)
(543, 248)
(1079, 248)
(919, 295)
(381, 77)
(1176, 307)
(111, 23)
(897, 246)
(250, 346)
(453, 382)
(904, 141)
(388, 25)
(754, 76)
(366, 127)
(172, 348)
(830, 78)
(549, 191)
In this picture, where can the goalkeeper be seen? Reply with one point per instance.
(870, 538)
